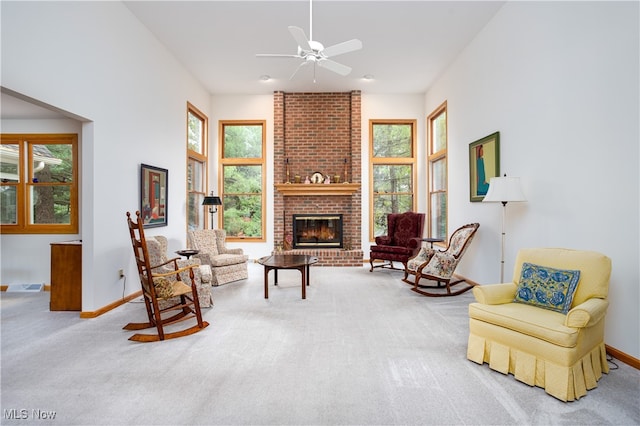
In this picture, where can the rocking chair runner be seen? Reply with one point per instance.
(439, 266)
(162, 286)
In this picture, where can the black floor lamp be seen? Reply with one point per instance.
(503, 190)
(210, 200)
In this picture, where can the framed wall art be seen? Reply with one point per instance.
(153, 195)
(484, 163)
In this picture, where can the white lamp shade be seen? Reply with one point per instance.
(504, 189)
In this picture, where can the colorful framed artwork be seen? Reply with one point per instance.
(484, 163)
(153, 195)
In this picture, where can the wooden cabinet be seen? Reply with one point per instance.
(66, 276)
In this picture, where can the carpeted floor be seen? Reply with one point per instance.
(362, 349)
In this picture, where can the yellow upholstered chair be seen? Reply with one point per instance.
(558, 347)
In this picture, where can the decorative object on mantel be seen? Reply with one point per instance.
(336, 178)
(287, 171)
(307, 180)
(327, 180)
(296, 179)
(346, 178)
(317, 177)
(304, 189)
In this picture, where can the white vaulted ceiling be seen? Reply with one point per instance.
(407, 45)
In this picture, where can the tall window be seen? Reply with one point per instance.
(242, 151)
(39, 189)
(392, 170)
(437, 161)
(197, 166)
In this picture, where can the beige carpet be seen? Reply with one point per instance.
(362, 349)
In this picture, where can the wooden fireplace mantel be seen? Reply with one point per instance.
(317, 188)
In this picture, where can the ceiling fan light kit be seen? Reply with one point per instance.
(311, 51)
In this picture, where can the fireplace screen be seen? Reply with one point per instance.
(317, 230)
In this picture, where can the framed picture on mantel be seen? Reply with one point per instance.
(153, 195)
(484, 163)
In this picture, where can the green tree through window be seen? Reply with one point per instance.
(243, 176)
(392, 170)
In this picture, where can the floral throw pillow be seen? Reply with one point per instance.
(546, 287)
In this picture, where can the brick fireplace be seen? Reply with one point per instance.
(318, 132)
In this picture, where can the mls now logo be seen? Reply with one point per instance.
(15, 414)
(23, 414)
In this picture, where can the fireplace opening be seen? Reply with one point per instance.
(317, 230)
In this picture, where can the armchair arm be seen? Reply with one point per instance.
(176, 272)
(232, 251)
(495, 294)
(205, 258)
(383, 240)
(586, 314)
(415, 243)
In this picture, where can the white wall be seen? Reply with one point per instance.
(244, 107)
(559, 80)
(95, 60)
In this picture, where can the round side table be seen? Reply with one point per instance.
(187, 253)
(432, 240)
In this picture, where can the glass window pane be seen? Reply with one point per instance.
(196, 211)
(242, 141)
(196, 133)
(439, 132)
(9, 163)
(392, 178)
(242, 179)
(242, 215)
(392, 140)
(389, 203)
(438, 217)
(50, 204)
(8, 202)
(52, 163)
(195, 175)
(439, 175)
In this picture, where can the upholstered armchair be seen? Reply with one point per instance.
(403, 240)
(438, 266)
(227, 264)
(546, 327)
(157, 248)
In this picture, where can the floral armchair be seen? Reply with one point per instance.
(157, 247)
(439, 266)
(227, 264)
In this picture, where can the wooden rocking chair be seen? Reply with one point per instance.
(163, 286)
(439, 265)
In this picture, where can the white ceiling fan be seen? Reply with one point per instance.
(314, 52)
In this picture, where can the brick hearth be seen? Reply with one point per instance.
(319, 132)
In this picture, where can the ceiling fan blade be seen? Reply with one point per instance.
(335, 67)
(340, 48)
(277, 55)
(302, 64)
(300, 37)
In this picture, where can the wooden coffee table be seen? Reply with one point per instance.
(300, 262)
